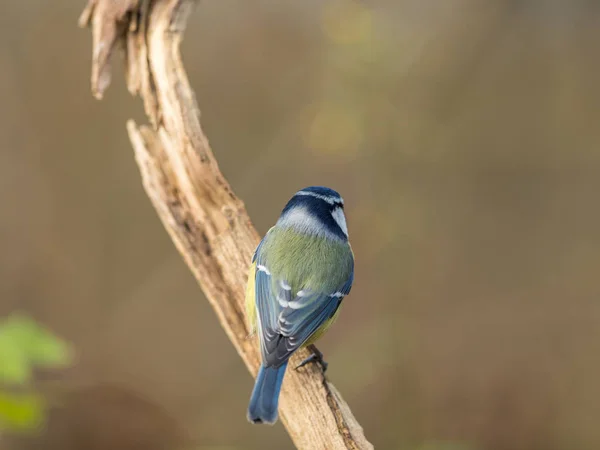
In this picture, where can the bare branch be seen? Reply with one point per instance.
(207, 222)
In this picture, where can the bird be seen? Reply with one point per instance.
(299, 274)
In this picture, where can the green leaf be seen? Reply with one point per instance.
(37, 345)
(14, 366)
(21, 412)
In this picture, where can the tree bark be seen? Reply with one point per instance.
(207, 222)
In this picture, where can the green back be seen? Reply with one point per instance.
(307, 261)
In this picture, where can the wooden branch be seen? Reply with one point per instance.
(207, 222)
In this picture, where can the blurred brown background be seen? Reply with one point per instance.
(464, 137)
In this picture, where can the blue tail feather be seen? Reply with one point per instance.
(265, 395)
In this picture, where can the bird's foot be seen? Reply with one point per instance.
(316, 357)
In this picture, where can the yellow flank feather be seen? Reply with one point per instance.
(322, 329)
(251, 299)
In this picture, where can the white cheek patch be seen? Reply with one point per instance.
(303, 221)
(340, 219)
(301, 218)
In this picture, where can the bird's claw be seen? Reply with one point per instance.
(316, 356)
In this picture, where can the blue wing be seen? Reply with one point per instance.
(285, 322)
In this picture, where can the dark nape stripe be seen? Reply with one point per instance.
(320, 209)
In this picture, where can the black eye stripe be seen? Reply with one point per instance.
(322, 210)
(333, 206)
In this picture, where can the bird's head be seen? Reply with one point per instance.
(316, 210)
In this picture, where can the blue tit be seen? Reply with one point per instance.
(300, 272)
